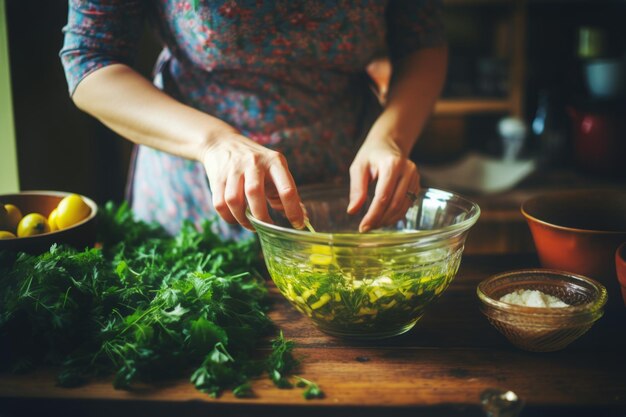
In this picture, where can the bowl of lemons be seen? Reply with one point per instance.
(31, 221)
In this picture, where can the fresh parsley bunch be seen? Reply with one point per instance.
(145, 306)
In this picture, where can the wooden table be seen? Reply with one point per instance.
(439, 368)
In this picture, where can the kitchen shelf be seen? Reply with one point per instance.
(464, 106)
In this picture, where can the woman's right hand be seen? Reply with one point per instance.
(243, 173)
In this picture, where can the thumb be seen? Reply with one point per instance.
(359, 180)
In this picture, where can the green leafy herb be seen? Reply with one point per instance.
(346, 292)
(281, 362)
(144, 307)
(311, 389)
(243, 391)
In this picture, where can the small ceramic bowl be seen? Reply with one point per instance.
(579, 231)
(620, 267)
(80, 235)
(542, 329)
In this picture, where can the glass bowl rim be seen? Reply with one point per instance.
(375, 238)
(573, 311)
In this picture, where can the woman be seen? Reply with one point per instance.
(257, 96)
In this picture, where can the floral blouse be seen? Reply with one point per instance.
(288, 74)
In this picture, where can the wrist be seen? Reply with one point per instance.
(214, 137)
(382, 134)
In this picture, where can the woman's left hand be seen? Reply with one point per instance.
(381, 159)
(384, 156)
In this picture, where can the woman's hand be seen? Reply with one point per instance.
(243, 173)
(381, 159)
(240, 171)
(415, 85)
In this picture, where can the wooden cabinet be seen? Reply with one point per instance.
(485, 80)
(496, 31)
(486, 35)
(485, 77)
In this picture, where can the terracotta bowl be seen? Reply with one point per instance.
(579, 231)
(80, 235)
(620, 267)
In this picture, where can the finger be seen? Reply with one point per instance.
(387, 179)
(217, 187)
(219, 202)
(272, 197)
(286, 188)
(254, 187)
(235, 199)
(414, 187)
(407, 202)
(399, 199)
(359, 181)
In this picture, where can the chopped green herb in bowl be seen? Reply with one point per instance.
(370, 285)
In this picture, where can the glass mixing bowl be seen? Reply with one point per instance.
(366, 285)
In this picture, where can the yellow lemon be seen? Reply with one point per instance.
(32, 224)
(4, 217)
(6, 235)
(52, 220)
(71, 210)
(14, 215)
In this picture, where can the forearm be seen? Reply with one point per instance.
(130, 105)
(415, 87)
(240, 171)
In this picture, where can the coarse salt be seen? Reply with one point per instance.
(533, 298)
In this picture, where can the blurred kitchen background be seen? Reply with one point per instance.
(535, 90)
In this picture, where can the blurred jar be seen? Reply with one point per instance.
(550, 131)
(599, 137)
(604, 71)
(592, 42)
(605, 78)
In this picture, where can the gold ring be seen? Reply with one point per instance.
(411, 195)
